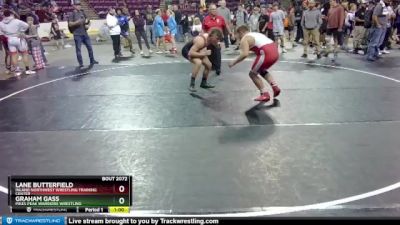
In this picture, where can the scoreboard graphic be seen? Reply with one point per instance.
(70, 194)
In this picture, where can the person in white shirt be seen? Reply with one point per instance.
(253, 20)
(115, 32)
(14, 29)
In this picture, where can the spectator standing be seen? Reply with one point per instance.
(178, 19)
(140, 32)
(149, 14)
(335, 23)
(323, 30)
(14, 30)
(173, 29)
(201, 15)
(377, 31)
(57, 34)
(349, 25)
(298, 13)
(197, 27)
(158, 27)
(34, 44)
(397, 21)
(277, 17)
(291, 24)
(268, 28)
(78, 23)
(263, 20)
(241, 16)
(224, 12)
(253, 20)
(311, 22)
(359, 30)
(115, 32)
(213, 21)
(391, 17)
(123, 21)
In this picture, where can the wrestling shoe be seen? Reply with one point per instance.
(263, 97)
(206, 85)
(276, 91)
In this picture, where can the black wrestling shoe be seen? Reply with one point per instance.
(206, 85)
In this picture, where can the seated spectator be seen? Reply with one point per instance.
(43, 15)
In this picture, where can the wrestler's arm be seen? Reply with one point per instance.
(244, 52)
(194, 51)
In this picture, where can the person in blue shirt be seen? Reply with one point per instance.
(158, 27)
(173, 29)
(123, 21)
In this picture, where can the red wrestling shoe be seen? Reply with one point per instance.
(263, 97)
(276, 91)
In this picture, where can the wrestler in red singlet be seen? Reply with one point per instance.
(267, 55)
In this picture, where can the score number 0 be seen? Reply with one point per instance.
(121, 200)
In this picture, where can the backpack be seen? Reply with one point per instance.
(368, 18)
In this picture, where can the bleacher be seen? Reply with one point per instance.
(102, 6)
(142, 4)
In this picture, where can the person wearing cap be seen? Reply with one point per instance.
(359, 29)
(311, 22)
(78, 22)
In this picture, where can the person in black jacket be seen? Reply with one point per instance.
(298, 13)
(140, 32)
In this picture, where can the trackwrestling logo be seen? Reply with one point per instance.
(34, 220)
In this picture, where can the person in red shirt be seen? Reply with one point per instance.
(214, 21)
